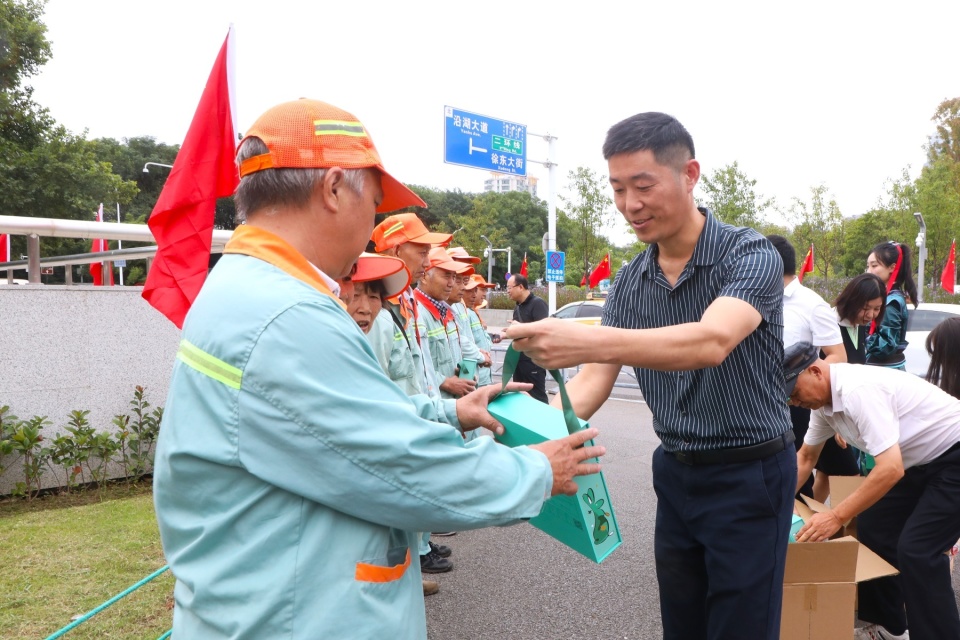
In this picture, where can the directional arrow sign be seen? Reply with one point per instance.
(482, 142)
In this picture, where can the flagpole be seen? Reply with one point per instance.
(119, 246)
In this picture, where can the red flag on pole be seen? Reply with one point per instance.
(523, 266)
(583, 281)
(4, 247)
(948, 279)
(182, 220)
(96, 246)
(602, 271)
(807, 266)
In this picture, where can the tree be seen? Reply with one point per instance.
(45, 170)
(588, 210)
(730, 195)
(821, 224)
(515, 219)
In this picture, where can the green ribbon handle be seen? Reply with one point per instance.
(510, 361)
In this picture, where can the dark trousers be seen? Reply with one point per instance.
(721, 545)
(527, 371)
(800, 418)
(911, 527)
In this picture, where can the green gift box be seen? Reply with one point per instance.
(585, 522)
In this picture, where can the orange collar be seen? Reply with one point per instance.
(261, 244)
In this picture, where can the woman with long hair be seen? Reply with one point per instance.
(861, 303)
(943, 345)
(890, 261)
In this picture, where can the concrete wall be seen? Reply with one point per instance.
(80, 347)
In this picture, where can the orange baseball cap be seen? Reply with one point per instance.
(392, 271)
(405, 227)
(309, 134)
(440, 259)
(460, 254)
(481, 282)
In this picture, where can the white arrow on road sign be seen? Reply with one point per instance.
(473, 148)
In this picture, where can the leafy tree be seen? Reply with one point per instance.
(821, 224)
(589, 209)
(515, 219)
(730, 195)
(946, 140)
(45, 171)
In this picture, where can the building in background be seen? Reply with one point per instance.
(503, 182)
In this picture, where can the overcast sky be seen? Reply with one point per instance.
(839, 93)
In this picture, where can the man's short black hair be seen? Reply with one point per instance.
(787, 253)
(521, 281)
(660, 133)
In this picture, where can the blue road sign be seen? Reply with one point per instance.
(481, 142)
(555, 266)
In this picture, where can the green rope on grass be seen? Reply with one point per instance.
(109, 602)
(166, 635)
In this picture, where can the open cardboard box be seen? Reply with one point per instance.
(820, 585)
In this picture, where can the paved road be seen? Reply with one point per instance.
(516, 582)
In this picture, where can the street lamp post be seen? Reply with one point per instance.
(489, 255)
(156, 164)
(922, 244)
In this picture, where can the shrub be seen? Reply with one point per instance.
(82, 453)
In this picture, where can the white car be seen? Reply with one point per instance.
(920, 322)
(584, 311)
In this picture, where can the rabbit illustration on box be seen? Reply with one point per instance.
(601, 526)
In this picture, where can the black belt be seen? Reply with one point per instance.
(736, 454)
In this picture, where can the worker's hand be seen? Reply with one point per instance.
(553, 343)
(458, 387)
(472, 408)
(487, 360)
(820, 527)
(567, 457)
(840, 441)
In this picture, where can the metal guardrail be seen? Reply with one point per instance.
(35, 228)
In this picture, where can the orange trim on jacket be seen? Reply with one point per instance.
(374, 573)
(261, 244)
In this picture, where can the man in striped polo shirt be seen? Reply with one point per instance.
(699, 314)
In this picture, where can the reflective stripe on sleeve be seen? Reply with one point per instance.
(208, 365)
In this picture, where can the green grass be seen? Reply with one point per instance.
(65, 555)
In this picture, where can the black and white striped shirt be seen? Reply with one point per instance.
(741, 402)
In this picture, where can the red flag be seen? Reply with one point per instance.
(96, 246)
(807, 266)
(948, 279)
(4, 247)
(602, 271)
(583, 282)
(182, 220)
(523, 267)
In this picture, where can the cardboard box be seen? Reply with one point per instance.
(840, 488)
(585, 522)
(820, 585)
(809, 506)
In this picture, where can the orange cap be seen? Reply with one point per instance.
(460, 254)
(481, 282)
(405, 227)
(392, 271)
(309, 134)
(440, 259)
